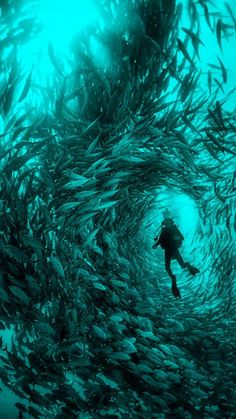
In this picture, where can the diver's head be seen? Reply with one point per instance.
(167, 222)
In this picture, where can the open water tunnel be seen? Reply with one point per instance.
(115, 116)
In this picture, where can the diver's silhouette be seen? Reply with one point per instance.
(170, 240)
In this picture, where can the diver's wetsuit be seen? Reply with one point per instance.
(170, 239)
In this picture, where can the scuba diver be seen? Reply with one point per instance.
(170, 240)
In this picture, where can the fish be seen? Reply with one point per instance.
(9, 94)
(90, 159)
(219, 32)
(53, 59)
(185, 52)
(192, 10)
(213, 152)
(207, 16)
(19, 293)
(26, 87)
(16, 253)
(17, 162)
(223, 70)
(218, 84)
(231, 13)
(209, 80)
(58, 266)
(196, 41)
(4, 297)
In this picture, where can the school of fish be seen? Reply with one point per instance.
(94, 334)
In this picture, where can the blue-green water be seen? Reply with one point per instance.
(115, 115)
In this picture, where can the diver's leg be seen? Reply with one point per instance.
(183, 264)
(167, 265)
(180, 260)
(168, 257)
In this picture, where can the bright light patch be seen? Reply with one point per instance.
(181, 208)
(63, 19)
(61, 22)
(100, 53)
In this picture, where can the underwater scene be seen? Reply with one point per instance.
(117, 209)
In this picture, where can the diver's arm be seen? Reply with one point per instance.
(158, 240)
(157, 243)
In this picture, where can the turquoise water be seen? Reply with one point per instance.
(115, 115)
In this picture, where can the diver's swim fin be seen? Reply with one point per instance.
(193, 270)
(175, 291)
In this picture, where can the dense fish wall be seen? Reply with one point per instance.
(94, 147)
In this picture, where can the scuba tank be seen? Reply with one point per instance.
(178, 239)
